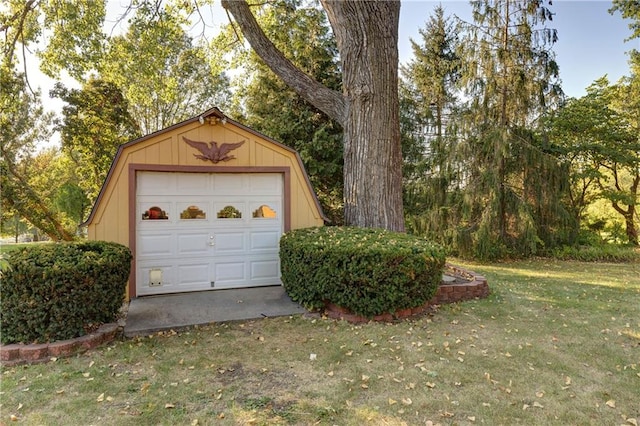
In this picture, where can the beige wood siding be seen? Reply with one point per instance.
(110, 218)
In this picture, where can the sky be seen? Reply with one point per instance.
(591, 41)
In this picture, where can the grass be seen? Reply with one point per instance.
(8, 248)
(556, 343)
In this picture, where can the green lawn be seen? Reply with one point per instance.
(7, 248)
(555, 343)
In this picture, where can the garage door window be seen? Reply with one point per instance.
(193, 212)
(154, 213)
(264, 211)
(229, 212)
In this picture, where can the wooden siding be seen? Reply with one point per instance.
(110, 218)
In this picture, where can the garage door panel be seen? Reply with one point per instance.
(193, 244)
(229, 184)
(152, 245)
(232, 270)
(194, 275)
(265, 184)
(193, 184)
(143, 278)
(153, 183)
(264, 240)
(230, 242)
(264, 269)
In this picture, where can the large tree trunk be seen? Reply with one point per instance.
(368, 109)
(367, 38)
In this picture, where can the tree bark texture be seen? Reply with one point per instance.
(367, 37)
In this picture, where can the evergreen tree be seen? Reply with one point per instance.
(429, 92)
(513, 186)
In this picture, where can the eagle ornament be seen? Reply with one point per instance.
(211, 152)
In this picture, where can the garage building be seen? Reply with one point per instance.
(202, 205)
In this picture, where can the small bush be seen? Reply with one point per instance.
(52, 292)
(368, 271)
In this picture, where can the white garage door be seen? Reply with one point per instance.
(203, 231)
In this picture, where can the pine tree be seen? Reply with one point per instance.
(513, 187)
(428, 101)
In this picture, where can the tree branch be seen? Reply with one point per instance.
(327, 100)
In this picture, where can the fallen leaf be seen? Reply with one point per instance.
(611, 403)
(392, 401)
(100, 398)
(525, 406)
(538, 405)
(14, 418)
(330, 374)
(540, 394)
(471, 418)
(567, 380)
(145, 388)
(169, 405)
(407, 401)
(431, 385)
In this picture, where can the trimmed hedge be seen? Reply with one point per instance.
(368, 271)
(54, 291)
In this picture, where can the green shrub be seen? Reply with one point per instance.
(597, 253)
(54, 291)
(368, 271)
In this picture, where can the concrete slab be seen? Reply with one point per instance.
(150, 314)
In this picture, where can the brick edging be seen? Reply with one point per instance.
(19, 353)
(446, 293)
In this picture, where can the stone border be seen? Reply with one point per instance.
(477, 287)
(18, 353)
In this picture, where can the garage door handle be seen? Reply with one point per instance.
(212, 240)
